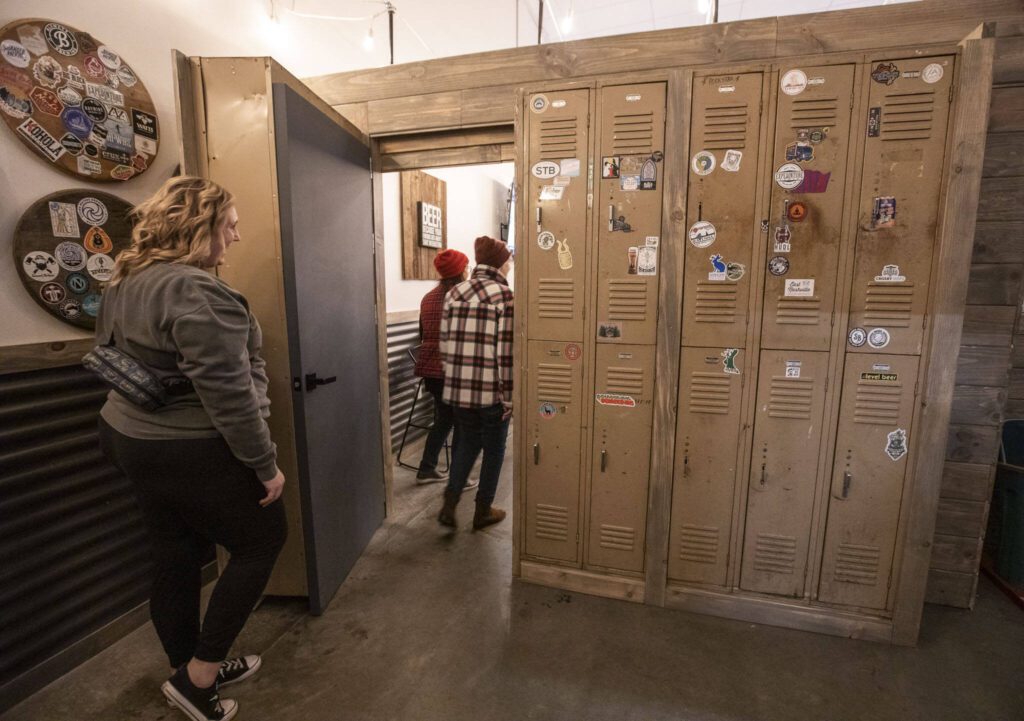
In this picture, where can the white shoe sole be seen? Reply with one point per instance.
(252, 669)
(175, 699)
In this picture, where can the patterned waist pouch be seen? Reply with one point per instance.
(132, 379)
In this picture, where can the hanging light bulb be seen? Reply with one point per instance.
(368, 42)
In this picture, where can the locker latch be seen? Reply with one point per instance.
(536, 453)
(604, 459)
(847, 480)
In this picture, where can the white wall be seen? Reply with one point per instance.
(143, 32)
(476, 206)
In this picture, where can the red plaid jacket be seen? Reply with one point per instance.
(476, 341)
(428, 362)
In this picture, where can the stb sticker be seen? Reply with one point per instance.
(800, 288)
(878, 338)
(729, 361)
(546, 240)
(615, 399)
(732, 159)
(789, 176)
(932, 73)
(539, 103)
(545, 169)
(890, 274)
(548, 410)
(703, 163)
(896, 444)
(794, 82)
(857, 337)
(702, 234)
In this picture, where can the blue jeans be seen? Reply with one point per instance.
(443, 421)
(479, 429)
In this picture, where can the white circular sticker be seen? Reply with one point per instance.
(100, 267)
(546, 240)
(539, 103)
(108, 57)
(794, 82)
(932, 73)
(703, 163)
(545, 169)
(40, 266)
(878, 338)
(702, 234)
(15, 53)
(70, 256)
(858, 337)
(789, 176)
(93, 211)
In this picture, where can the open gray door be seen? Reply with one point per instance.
(326, 206)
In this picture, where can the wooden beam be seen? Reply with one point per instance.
(990, 325)
(187, 94)
(447, 157)
(969, 122)
(999, 242)
(36, 356)
(967, 481)
(951, 588)
(1004, 155)
(983, 366)
(994, 284)
(1009, 61)
(383, 384)
(1007, 114)
(447, 139)
(972, 444)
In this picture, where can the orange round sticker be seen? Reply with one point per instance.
(797, 212)
(97, 241)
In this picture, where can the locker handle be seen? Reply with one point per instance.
(604, 459)
(536, 453)
(611, 217)
(847, 480)
(538, 219)
(764, 476)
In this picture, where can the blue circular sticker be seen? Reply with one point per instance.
(548, 410)
(77, 122)
(91, 304)
(77, 283)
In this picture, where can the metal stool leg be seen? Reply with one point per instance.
(408, 424)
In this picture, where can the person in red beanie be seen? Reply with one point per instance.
(451, 266)
(476, 345)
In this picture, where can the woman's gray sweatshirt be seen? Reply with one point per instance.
(181, 320)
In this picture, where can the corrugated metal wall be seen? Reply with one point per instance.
(73, 548)
(402, 336)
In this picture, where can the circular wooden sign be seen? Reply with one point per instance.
(75, 102)
(65, 246)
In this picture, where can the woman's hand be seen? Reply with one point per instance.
(274, 487)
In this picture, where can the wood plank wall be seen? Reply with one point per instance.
(987, 388)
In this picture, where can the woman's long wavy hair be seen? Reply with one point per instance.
(176, 225)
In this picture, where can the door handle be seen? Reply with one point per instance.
(538, 219)
(764, 476)
(847, 480)
(312, 381)
(611, 217)
(604, 459)
(536, 453)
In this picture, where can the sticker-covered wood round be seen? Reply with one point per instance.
(64, 248)
(75, 102)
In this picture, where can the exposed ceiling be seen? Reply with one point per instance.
(310, 43)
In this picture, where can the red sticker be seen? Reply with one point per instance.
(614, 399)
(573, 352)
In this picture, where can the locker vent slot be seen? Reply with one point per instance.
(628, 381)
(775, 553)
(698, 544)
(798, 311)
(815, 112)
(627, 300)
(716, 302)
(791, 398)
(725, 126)
(556, 298)
(618, 538)
(558, 138)
(554, 382)
(889, 304)
(857, 564)
(908, 116)
(633, 133)
(552, 522)
(878, 402)
(709, 392)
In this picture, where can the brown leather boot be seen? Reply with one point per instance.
(487, 515)
(447, 515)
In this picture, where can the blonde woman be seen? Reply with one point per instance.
(203, 465)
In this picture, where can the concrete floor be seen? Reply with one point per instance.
(430, 626)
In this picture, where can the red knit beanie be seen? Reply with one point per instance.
(450, 263)
(490, 252)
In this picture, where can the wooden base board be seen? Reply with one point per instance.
(1016, 593)
(573, 579)
(778, 612)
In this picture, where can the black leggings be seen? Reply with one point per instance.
(194, 493)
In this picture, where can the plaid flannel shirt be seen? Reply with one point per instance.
(476, 341)
(428, 361)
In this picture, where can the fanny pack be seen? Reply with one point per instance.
(133, 380)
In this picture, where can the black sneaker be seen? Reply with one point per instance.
(237, 669)
(199, 704)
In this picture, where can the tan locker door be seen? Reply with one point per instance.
(867, 480)
(707, 439)
(623, 410)
(783, 470)
(721, 208)
(908, 111)
(557, 165)
(553, 419)
(630, 169)
(812, 139)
